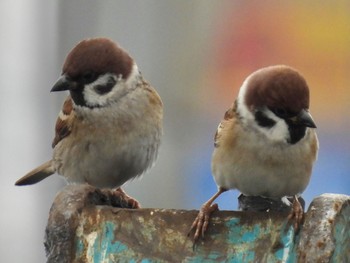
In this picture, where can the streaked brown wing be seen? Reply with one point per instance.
(64, 121)
(229, 114)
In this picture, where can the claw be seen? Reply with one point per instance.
(297, 214)
(124, 200)
(200, 224)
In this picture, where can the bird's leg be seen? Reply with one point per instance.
(200, 224)
(124, 199)
(297, 213)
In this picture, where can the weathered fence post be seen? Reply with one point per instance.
(83, 227)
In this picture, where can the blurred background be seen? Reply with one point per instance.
(196, 54)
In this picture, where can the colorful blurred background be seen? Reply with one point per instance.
(196, 53)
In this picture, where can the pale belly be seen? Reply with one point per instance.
(105, 164)
(256, 180)
(270, 174)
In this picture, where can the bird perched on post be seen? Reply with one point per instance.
(266, 144)
(110, 126)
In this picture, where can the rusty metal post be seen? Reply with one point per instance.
(83, 227)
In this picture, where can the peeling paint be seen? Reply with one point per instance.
(286, 254)
(342, 237)
(102, 234)
(234, 231)
(243, 238)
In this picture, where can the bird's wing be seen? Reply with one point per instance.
(229, 115)
(63, 129)
(64, 121)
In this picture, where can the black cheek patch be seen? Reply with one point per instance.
(77, 96)
(296, 132)
(263, 120)
(105, 88)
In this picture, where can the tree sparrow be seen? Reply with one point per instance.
(110, 126)
(266, 144)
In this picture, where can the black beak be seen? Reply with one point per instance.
(304, 118)
(64, 83)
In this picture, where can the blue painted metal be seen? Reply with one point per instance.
(82, 232)
(242, 240)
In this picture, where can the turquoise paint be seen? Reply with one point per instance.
(233, 222)
(234, 231)
(244, 256)
(146, 260)
(243, 239)
(341, 235)
(238, 233)
(214, 255)
(194, 260)
(287, 253)
(79, 248)
(116, 247)
(251, 236)
(202, 259)
(105, 244)
(240, 236)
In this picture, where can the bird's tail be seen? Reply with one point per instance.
(38, 174)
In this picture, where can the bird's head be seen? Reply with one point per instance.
(97, 72)
(275, 101)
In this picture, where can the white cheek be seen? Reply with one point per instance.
(134, 75)
(93, 98)
(246, 114)
(279, 132)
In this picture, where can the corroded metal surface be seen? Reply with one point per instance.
(119, 235)
(326, 232)
(81, 231)
(66, 215)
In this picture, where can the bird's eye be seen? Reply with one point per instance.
(282, 113)
(88, 77)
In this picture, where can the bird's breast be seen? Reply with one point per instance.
(258, 168)
(108, 152)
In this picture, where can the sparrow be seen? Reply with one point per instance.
(266, 144)
(110, 126)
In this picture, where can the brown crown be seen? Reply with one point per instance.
(98, 55)
(277, 87)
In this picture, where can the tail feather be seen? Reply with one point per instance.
(38, 174)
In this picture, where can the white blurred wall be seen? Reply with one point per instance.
(28, 64)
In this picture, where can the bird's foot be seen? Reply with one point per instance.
(121, 199)
(200, 224)
(296, 214)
